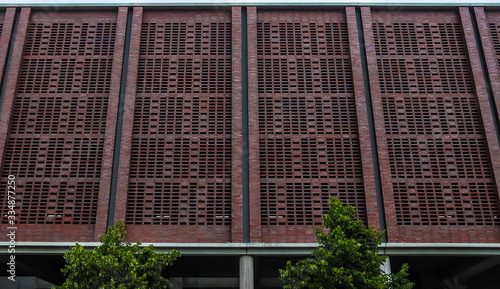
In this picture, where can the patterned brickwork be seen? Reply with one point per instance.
(437, 170)
(180, 162)
(2, 16)
(180, 171)
(308, 136)
(56, 138)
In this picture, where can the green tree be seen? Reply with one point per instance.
(116, 264)
(346, 258)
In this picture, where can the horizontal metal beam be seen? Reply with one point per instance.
(69, 3)
(271, 249)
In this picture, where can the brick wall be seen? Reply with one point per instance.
(60, 103)
(433, 127)
(180, 169)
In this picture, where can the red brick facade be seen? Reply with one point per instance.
(309, 96)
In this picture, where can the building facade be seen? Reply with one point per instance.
(221, 130)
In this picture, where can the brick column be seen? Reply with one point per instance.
(7, 19)
(237, 157)
(378, 120)
(128, 116)
(362, 120)
(253, 127)
(110, 132)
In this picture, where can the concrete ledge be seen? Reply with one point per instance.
(236, 249)
(440, 249)
(270, 249)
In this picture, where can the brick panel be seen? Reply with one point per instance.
(6, 23)
(434, 153)
(488, 23)
(492, 32)
(59, 140)
(307, 131)
(180, 162)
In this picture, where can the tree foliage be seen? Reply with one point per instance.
(346, 258)
(116, 264)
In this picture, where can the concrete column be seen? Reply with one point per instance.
(386, 267)
(246, 272)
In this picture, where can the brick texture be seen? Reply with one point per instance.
(61, 100)
(489, 28)
(237, 141)
(372, 215)
(432, 124)
(181, 145)
(178, 138)
(253, 128)
(308, 139)
(6, 25)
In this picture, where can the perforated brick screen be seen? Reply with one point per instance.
(56, 135)
(2, 14)
(181, 146)
(180, 171)
(439, 164)
(308, 140)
